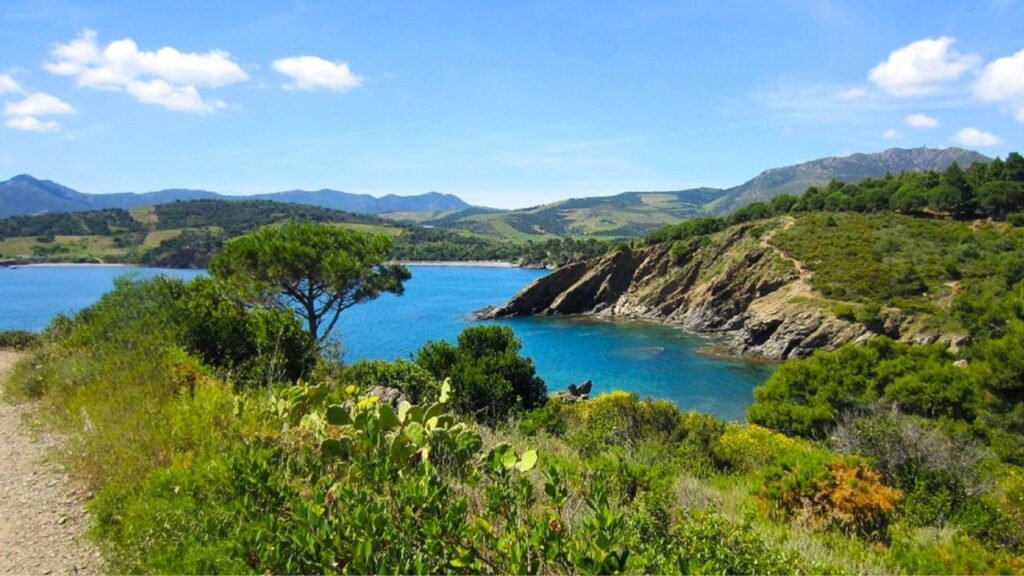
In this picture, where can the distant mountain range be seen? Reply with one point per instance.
(27, 195)
(621, 215)
(635, 213)
(851, 169)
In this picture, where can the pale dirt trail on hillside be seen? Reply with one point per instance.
(42, 518)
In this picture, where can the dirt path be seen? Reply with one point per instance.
(766, 242)
(42, 519)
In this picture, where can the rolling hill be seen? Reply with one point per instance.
(637, 213)
(624, 215)
(25, 194)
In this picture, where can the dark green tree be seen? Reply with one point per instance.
(318, 269)
(489, 377)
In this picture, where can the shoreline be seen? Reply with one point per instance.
(459, 263)
(68, 264)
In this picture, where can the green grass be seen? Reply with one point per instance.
(64, 248)
(154, 238)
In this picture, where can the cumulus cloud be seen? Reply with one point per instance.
(1002, 80)
(855, 93)
(9, 85)
(38, 104)
(313, 72)
(976, 137)
(890, 134)
(23, 114)
(166, 77)
(31, 124)
(921, 121)
(921, 67)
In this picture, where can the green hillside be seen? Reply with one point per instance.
(621, 216)
(186, 234)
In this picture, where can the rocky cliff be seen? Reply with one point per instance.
(735, 284)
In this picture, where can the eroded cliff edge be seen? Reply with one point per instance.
(735, 284)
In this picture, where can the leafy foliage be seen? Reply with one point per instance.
(319, 269)
(805, 397)
(491, 379)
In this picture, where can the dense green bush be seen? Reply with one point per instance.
(805, 397)
(491, 379)
(411, 378)
(261, 345)
(18, 339)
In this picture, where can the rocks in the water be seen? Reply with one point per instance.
(574, 393)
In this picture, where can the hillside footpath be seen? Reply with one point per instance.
(42, 514)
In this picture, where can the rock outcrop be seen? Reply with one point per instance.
(734, 284)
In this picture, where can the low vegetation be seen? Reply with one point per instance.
(219, 437)
(188, 234)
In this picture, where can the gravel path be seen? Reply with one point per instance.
(42, 518)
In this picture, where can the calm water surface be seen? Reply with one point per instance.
(648, 359)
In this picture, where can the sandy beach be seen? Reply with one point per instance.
(466, 263)
(70, 264)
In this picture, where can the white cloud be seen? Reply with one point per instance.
(975, 137)
(1002, 80)
(312, 72)
(920, 67)
(165, 77)
(921, 121)
(38, 104)
(172, 97)
(31, 124)
(890, 134)
(855, 93)
(23, 115)
(9, 85)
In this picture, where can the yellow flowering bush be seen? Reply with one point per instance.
(746, 447)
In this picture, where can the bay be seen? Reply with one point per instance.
(645, 358)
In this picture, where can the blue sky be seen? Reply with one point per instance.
(506, 104)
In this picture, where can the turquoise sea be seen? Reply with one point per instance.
(649, 359)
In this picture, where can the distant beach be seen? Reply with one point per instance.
(465, 263)
(75, 264)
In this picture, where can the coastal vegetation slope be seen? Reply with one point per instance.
(209, 452)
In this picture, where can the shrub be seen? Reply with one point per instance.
(710, 544)
(746, 448)
(831, 492)
(490, 378)
(261, 345)
(18, 339)
(930, 552)
(411, 378)
(618, 419)
(844, 312)
(804, 397)
(937, 473)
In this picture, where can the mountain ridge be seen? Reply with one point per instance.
(637, 213)
(625, 214)
(25, 195)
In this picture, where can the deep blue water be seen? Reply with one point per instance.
(648, 359)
